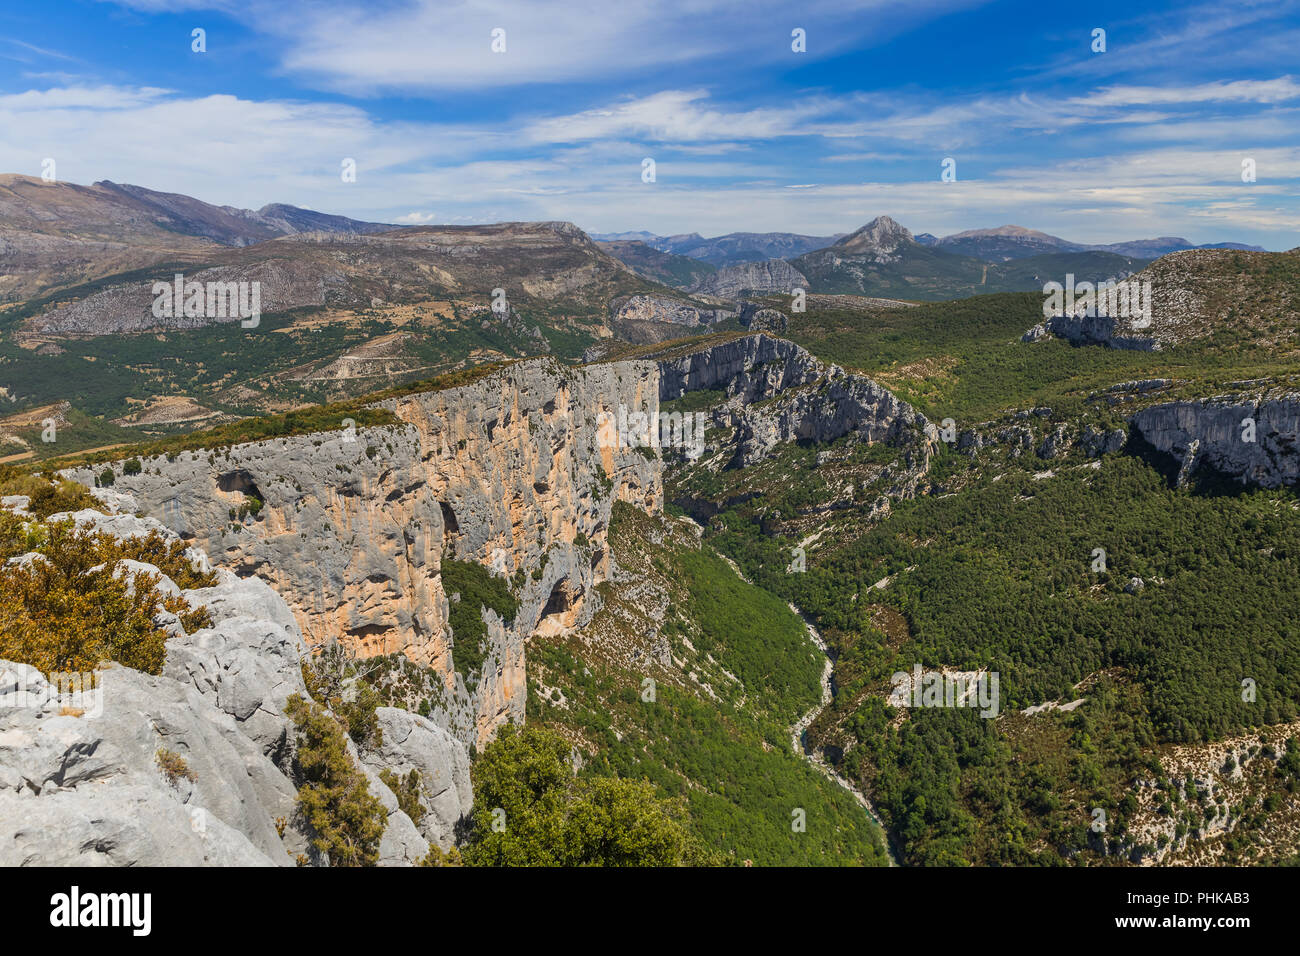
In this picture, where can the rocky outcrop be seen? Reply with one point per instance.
(1183, 296)
(758, 319)
(809, 401)
(659, 308)
(512, 471)
(772, 275)
(1250, 439)
(515, 472)
(86, 789)
(81, 781)
(753, 367)
(1096, 442)
(1094, 330)
(410, 742)
(841, 405)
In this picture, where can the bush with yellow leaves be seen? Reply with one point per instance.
(63, 609)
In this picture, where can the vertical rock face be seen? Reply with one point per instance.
(772, 275)
(513, 471)
(517, 471)
(814, 402)
(755, 367)
(1094, 330)
(1253, 440)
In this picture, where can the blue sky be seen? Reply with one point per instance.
(1145, 139)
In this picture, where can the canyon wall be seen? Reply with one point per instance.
(511, 472)
(1250, 439)
(754, 367)
(517, 472)
(777, 392)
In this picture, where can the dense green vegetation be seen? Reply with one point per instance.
(697, 401)
(725, 752)
(532, 809)
(964, 359)
(346, 819)
(471, 587)
(1001, 576)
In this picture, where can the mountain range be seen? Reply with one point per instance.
(56, 233)
(496, 561)
(348, 305)
(1016, 242)
(990, 245)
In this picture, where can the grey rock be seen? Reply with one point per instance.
(1094, 330)
(401, 843)
(1056, 443)
(759, 319)
(811, 401)
(98, 775)
(1096, 443)
(129, 825)
(411, 742)
(1213, 433)
(771, 275)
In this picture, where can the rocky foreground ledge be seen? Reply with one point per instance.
(84, 785)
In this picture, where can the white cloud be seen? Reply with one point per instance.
(677, 115)
(1278, 90)
(421, 45)
(231, 150)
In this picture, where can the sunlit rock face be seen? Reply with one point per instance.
(1251, 439)
(514, 471)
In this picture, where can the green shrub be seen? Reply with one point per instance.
(48, 495)
(478, 589)
(554, 818)
(65, 611)
(333, 795)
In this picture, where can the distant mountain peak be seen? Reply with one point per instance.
(881, 235)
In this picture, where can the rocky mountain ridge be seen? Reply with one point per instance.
(540, 262)
(55, 234)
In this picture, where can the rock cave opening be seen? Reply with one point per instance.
(561, 610)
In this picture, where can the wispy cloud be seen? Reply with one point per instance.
(1278, 90)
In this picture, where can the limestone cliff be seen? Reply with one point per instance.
(1094, 330)
(752, 366)
(517, 472)
(777, 392)
(511, 471)
(772, 275)
(80, 778)
(1252, 439)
